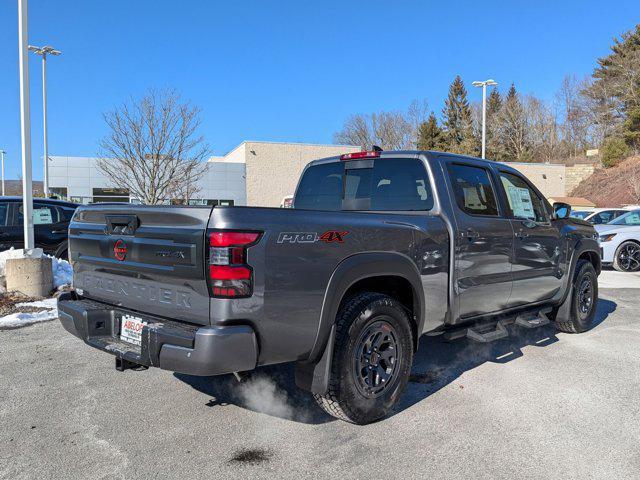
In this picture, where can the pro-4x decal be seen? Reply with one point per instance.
(297, 237)
(330, 236)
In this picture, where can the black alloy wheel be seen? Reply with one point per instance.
(628, 257)
(376, 358)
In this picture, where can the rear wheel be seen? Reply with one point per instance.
(372, 359)
(627, 257)
(583, 301)
(62, 251)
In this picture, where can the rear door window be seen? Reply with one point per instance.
(42, 214)
(473, 190)
(66, 213)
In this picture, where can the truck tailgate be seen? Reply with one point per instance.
(144, 258)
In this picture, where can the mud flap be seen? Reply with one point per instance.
(564, 310)
(314, 376)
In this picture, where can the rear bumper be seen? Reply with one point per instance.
(169, 345)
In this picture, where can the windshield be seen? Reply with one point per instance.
(581, 215)
(630, 218)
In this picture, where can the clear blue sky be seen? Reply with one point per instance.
(285, 70)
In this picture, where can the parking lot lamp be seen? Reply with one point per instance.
(25, 126)
(2, 152)
(43, 52)
(484, 110)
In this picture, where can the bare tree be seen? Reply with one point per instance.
(575, 123)
(395, 130)
(153, 147)
(185, 188)
(543, 130)
(355, 131)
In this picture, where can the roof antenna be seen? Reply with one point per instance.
(376, 148)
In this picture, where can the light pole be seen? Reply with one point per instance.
(2, 152)
(25, 126)
(44, 51)
(484, 110)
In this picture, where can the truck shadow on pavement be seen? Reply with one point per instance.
(272, 391)
(438, 363)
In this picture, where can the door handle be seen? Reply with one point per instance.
(59, 231)
(471, 234)
(522, 235)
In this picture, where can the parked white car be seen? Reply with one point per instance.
(620, 242)
(605, 215)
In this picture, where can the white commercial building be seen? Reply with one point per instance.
(80, 180)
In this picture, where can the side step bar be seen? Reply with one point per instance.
(490, 332)
(533, 320)
(483, 335)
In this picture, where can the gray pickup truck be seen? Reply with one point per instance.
(379, 249)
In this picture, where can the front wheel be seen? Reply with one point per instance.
(627, 257)
(372, 359)
(583, 300)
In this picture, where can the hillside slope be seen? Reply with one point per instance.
(612, 187)
(14, 187)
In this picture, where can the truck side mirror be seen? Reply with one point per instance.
(561, 210)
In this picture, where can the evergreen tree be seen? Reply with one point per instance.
(620, 66)
(631, 128)
(430, 134)
(494, 106)
(616, 87)
(457, 122)
(513, 128)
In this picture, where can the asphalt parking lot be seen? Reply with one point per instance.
(540, 404)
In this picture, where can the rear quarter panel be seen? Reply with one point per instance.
(293, 264)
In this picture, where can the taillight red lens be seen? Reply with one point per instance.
(229, 274)
(229, 239)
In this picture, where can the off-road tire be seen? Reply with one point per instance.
(343, 398)
(579, 321)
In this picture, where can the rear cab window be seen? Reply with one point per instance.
(383, 184)
(321, 187)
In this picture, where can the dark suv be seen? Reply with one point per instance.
(50, 224)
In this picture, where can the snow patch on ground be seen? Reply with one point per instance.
(15, 320)
(62, 272)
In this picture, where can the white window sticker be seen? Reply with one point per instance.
(521, 204)
(42, 216)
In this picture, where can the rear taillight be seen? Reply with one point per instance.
(229, 274)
